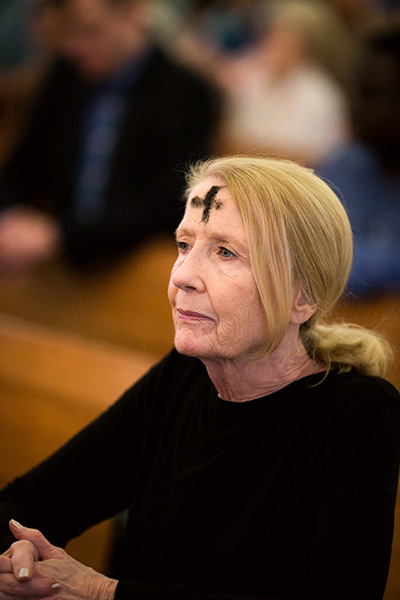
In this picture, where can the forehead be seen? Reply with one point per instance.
(210, 204)
(209, 194)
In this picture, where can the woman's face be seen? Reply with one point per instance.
(215, 303)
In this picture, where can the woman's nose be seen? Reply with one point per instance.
(187, 273)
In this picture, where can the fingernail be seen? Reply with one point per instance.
(23, 573)
(16, 524)
(55, 586)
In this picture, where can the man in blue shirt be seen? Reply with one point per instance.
(97, 170)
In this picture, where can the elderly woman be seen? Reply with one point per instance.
(259, 459)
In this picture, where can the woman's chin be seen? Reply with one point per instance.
(191, 345)
(189, 349)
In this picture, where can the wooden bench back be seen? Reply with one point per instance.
(51, 385)
(125, 304)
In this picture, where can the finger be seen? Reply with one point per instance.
(42, 545)
(23, 555)
(37, 587)
(22, 558)
(5, 564)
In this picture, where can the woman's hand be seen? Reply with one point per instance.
(43, 570)
(13, 586)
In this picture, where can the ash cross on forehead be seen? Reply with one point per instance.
(209, 202)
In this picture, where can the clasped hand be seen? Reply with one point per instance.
(34, 569)
(28, 238)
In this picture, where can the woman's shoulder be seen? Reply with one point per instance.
(173, 375)
(169, 384)
(350, 409)
(365, 384)
(353, 392)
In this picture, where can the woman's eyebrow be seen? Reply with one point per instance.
(183, 231)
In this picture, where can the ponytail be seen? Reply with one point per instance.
(345, 346)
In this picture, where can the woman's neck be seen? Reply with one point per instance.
(244, 380)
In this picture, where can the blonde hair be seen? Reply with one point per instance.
(299, 237)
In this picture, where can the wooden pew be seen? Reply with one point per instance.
(51, 385)
(125, 304)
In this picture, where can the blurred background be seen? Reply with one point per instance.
(102, 104)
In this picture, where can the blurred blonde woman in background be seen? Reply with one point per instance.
(286, 96)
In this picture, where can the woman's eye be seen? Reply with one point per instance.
(225, 253)
(183, 246)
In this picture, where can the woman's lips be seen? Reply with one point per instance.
(189, 315)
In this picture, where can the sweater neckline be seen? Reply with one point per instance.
(290, 391)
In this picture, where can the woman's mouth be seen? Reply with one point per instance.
(189, 315)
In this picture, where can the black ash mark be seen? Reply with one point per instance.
(209, 202)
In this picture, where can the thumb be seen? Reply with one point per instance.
(42, 545)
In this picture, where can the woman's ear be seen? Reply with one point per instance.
(302, 309)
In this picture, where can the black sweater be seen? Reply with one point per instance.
(287, 496)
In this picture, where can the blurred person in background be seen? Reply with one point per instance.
(96, 170)
(365, 172)
(285, 97)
